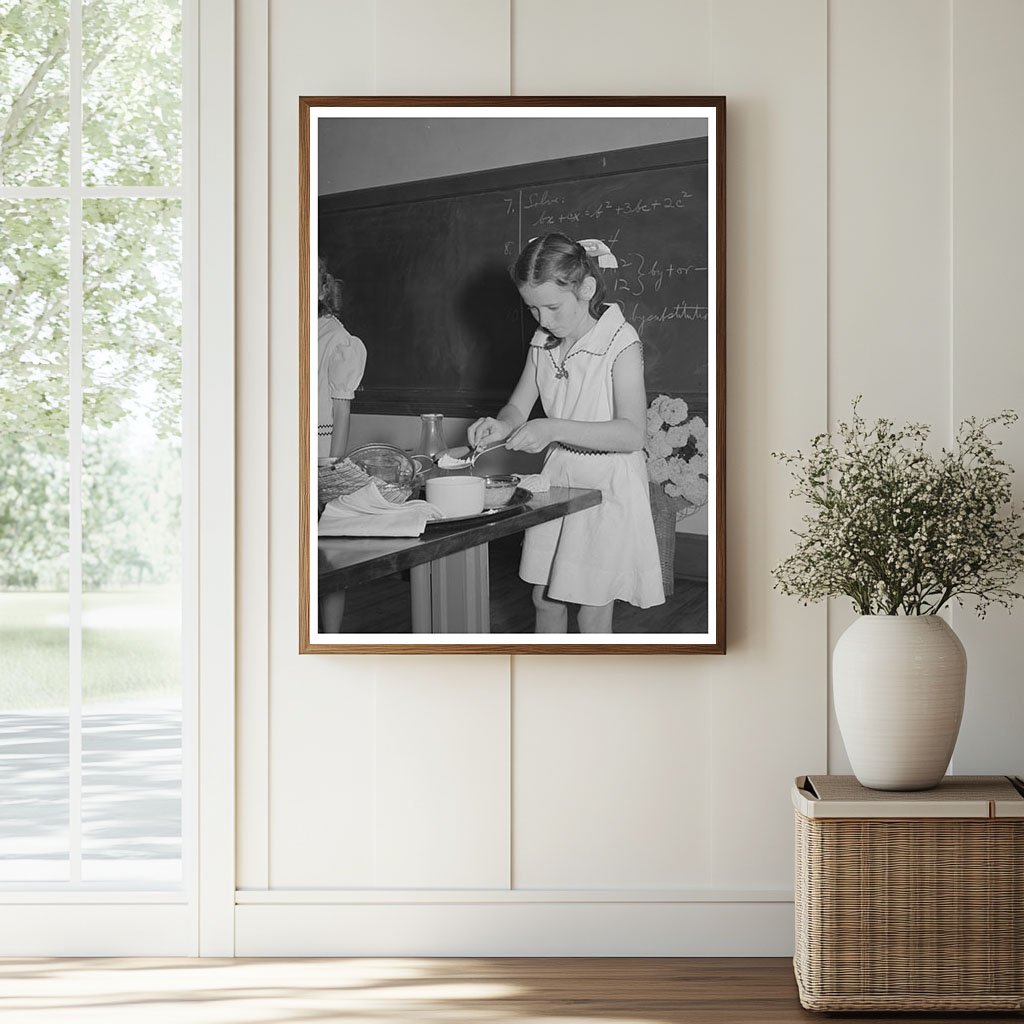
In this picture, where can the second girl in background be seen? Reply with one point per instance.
(340, 365)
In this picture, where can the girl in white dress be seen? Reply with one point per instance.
(586, 366)
(340, 366)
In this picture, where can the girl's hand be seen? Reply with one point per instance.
(485, 430)
(533, 436)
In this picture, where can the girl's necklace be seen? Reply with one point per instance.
(561, 373)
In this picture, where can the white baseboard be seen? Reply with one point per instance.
(515, 928)
(99, 928)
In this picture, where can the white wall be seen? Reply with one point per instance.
(587, 805)
(365, 152)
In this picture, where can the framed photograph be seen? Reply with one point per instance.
(512, 375)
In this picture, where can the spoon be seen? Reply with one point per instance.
(448, 459)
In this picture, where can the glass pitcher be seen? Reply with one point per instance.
(431, 434)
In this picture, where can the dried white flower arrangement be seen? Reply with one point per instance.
(900, 530)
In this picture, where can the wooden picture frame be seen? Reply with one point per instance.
(415, 207)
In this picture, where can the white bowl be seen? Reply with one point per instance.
(456, 495)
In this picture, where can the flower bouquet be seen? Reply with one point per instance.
(677, 454)
(899, 530)
(676, 446)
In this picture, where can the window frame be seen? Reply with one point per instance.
(69, 918)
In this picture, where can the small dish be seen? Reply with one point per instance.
(498, 490)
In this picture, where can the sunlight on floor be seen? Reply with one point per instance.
(188, 991)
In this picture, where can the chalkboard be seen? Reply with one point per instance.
(426, 282)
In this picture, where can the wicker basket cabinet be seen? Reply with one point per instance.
(910, 901)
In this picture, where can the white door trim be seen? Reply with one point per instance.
(216, 594)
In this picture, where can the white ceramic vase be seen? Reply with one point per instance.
(898, 685)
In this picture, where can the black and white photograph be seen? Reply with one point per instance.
(512, 375)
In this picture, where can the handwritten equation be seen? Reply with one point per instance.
(548, 209)
(660, 291)
(638, 274)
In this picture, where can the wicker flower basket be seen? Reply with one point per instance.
(666, 512)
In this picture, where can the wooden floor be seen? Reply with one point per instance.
(414, 991)
(384, 606)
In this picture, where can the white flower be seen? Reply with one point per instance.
(678, 470)
(660, 406)
(699, 431)
(657, 470)
(658, 447)
(695, 489)
(676, 411)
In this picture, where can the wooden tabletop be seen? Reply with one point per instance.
(347, 561)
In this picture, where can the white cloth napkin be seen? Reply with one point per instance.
(538, 483)
(367, 513)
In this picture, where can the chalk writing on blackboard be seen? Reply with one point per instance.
(638, 274)
(426, 264)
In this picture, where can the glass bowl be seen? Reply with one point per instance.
(498, 490)
(390, 467)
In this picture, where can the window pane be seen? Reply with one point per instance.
(33, 540)
(131, 92)
(131, 763)
(33, 92)
(131, 541)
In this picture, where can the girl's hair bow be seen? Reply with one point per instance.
(596, 248)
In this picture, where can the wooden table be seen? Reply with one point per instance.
(448, 565)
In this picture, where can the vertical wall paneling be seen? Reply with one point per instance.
(442, 48)
(769, 692)
(252, 463)
(612, 783)
(987, 366)
(442, 775)
(323, 775)
(320, 708)
(888, 224)
(579, 48)
(323, 710)
(889, 203)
